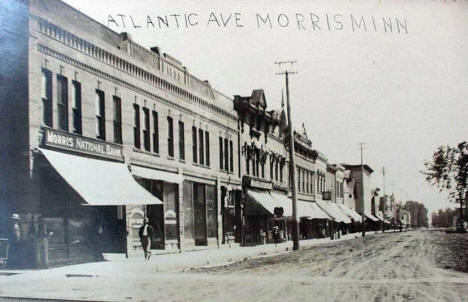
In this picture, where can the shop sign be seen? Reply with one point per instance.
(73, 142)
(255, 183)
(170, 217)
(136, 220)
(326, 195)
(278, 211)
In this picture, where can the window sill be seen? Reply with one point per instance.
(170, 158)
(202, 166)
(145, 152)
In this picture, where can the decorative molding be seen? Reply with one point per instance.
(59, 34)
(53, 53)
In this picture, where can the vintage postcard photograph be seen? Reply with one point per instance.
(181, 150)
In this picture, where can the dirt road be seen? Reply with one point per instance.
(386, 267)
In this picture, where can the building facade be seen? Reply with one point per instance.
(103, 132)
(81, 93)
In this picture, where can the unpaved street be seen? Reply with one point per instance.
(385, 267)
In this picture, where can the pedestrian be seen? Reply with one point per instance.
(42, 244)
(14, 238)
(146, 233)
(276, 234)
(100, 240)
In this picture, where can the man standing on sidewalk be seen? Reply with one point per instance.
(42, 244)
(146, 233)
(14, 240)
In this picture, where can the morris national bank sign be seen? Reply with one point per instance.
(64, 140)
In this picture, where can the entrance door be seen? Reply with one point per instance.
(199, 211)
(170, 212)
(155, 213)
(112, 230)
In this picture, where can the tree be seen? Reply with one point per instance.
(448, 170)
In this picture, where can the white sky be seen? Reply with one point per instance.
(402, 94)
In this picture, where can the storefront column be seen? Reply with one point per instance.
(219, 215)
(181, 213)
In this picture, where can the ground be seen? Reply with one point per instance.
(410, 266)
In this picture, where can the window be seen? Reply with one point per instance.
(100, 115)
(304, 181)
(155, 132)
(254, 159)
(117, 120)
(231, 156)
(271, 170)
(226, 155)
(221, 155)
(46, 95)
(201, 147)
(62, 102)
(281, 172)
(276, 171)
(181, 141)
(170, 137)
(312, 185)
(194, 144)
(136, 126)
(76, 107)
(247, 165)
(257, 161)
(207, 147)
(146, 129)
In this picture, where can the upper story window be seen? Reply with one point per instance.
(136, 126)
(100, 114)
(226, 154)
(281, 172)
(194, 145)
(46, 95)
(221, 155)
(207, 148)
(170, 137)
(146, 129)
(62, 102)
(231, 156)
(201, 147)
(76, 107)
(117, 102)
(181, 141)
(155, 132)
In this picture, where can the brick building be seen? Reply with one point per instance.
(99, 132)
(94, 119)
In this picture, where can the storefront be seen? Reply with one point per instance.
(200, 213)
(231, 211)
(356, 219)
(372, 222)
(263, 210)
(313, 221)
(163, 218)
(340, 222)
(85, 189)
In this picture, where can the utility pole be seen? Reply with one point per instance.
(363, 216)
(292, 164)
(384, 200)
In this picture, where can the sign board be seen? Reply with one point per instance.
(278, 211)
(326, 195)
(256, 183)
(73, 142)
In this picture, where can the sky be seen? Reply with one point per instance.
(403, 93)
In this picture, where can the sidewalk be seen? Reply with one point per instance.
(166, 262)
(125, 279)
